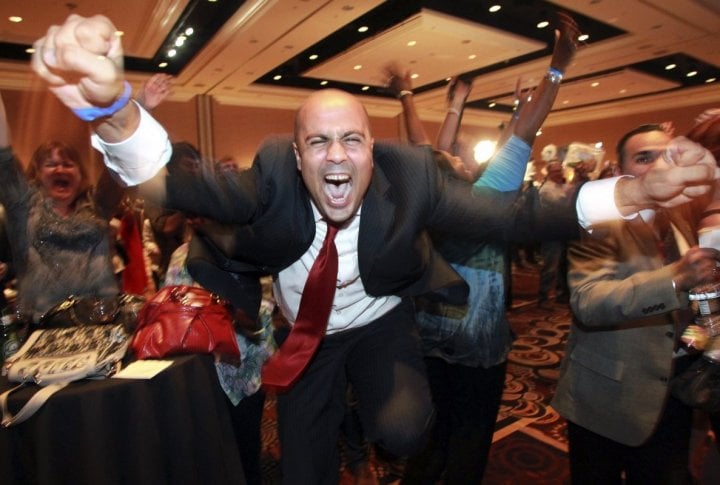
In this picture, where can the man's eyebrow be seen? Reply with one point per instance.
(322, 136)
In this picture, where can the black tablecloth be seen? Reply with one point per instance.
(171, 429)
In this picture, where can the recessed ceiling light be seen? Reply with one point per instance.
(365, 88)
(566, 102)
(119, 33)
(189, 31)
(323, 83)
(538, 133)
(411, 43)
(16, 19)
(595, 84)
(414, 75)
(492, 105)
(710, 80)
(543, 24)
(670, 67)
(180, 41)
(171, 53)
(313, 57)
(599, 145)
(277, 77)
(472, 56)
(162, 64)
(357, 67)
(583, 37)
(691, 74)
(494, 8)
(623, 91)
(362, 29)
(30, 50)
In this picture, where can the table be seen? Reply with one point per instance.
(172, 429)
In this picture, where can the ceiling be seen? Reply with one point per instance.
(258, 52)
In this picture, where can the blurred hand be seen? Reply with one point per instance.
(707, 114)
(154, 91)
(566, 36)
(82, 61)
(398, 78)
(699, 266)
(668, 127)
(689, 173)
(459, 89)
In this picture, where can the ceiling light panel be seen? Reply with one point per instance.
(443, 44)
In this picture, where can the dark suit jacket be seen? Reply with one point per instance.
(407, 196)
(619, 357)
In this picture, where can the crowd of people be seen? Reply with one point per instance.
(408, 351)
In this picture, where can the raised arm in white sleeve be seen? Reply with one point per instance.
(138, 158)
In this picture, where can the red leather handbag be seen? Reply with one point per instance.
(185, 320)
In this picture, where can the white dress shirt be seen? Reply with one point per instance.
(352, 306)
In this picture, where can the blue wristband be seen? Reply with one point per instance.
(93, 112)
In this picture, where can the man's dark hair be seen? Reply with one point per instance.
(183, 150)
(620, 148)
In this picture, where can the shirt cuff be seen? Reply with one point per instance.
(139, 157)
(593, 203)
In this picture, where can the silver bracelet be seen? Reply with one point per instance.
(555, 76)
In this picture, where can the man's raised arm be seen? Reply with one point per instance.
(82, 61)
(689, 173)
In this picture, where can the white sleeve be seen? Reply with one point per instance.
(596, 203)
(139, 157)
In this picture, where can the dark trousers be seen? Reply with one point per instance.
(246, 420)
(384, 364)
(467, 400)
(663, 459)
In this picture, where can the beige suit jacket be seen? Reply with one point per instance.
(619, 357)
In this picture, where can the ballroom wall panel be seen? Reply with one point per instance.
(237, 131)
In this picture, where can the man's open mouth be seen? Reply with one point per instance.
(337, 188)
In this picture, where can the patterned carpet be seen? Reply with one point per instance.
(529, 444)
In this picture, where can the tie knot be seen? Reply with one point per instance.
(332, 230)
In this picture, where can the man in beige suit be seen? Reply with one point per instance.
(629, 294)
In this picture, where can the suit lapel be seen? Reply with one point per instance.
(377, 216)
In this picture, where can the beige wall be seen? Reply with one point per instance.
(37, 116)
(237, 131)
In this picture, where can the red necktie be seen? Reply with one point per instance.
(286, 366)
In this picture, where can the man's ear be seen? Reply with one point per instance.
(372, 147)
(297, 155)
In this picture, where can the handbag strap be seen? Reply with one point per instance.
(30, 407)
